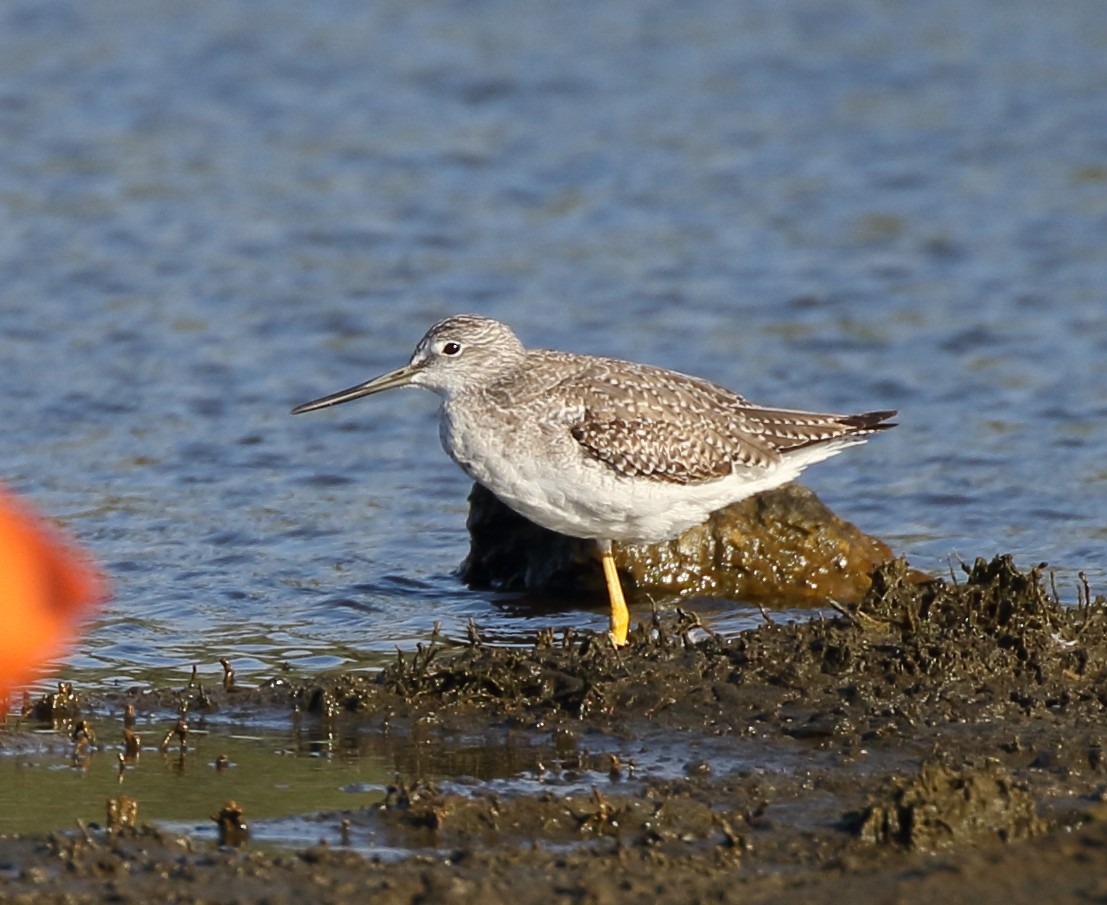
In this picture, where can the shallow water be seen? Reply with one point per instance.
(298, 776)
(210, 216)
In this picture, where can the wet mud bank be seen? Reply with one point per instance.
(939, 738)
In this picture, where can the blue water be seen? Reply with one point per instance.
(213, 211)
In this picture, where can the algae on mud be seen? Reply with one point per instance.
(934, 738)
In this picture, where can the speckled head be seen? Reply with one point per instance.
(460, 353)
(463, 352)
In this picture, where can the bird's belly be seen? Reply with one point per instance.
(588, 501)
(566, 491)
(584, 509)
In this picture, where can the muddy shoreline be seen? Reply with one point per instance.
(939, 739)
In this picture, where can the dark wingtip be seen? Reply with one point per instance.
(872, 421)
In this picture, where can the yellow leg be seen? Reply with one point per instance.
(620, 618)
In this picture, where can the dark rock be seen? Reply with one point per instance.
(783, 545)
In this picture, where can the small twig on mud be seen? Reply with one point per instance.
(600, 818)
(665, 703)
(472, 634)
(180, 730)
(688, 621)
(732, 839)
(765, 614)
(965, 567)
(858, 617)
(85, 834)
(423, 656)
(228, 673)
(1091, 609)
(656, 632)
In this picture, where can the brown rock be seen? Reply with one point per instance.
(781, 546)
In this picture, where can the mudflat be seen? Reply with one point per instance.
(942, 740)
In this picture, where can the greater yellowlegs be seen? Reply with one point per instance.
(601, 448)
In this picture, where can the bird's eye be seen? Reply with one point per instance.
(451, 348)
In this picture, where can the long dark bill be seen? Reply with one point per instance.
(401, 377)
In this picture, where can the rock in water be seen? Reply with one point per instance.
(782, 546)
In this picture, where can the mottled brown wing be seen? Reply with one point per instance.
(648, 422)
(668, 451)
(622, 390)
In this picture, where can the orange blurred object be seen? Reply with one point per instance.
(45, 585)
